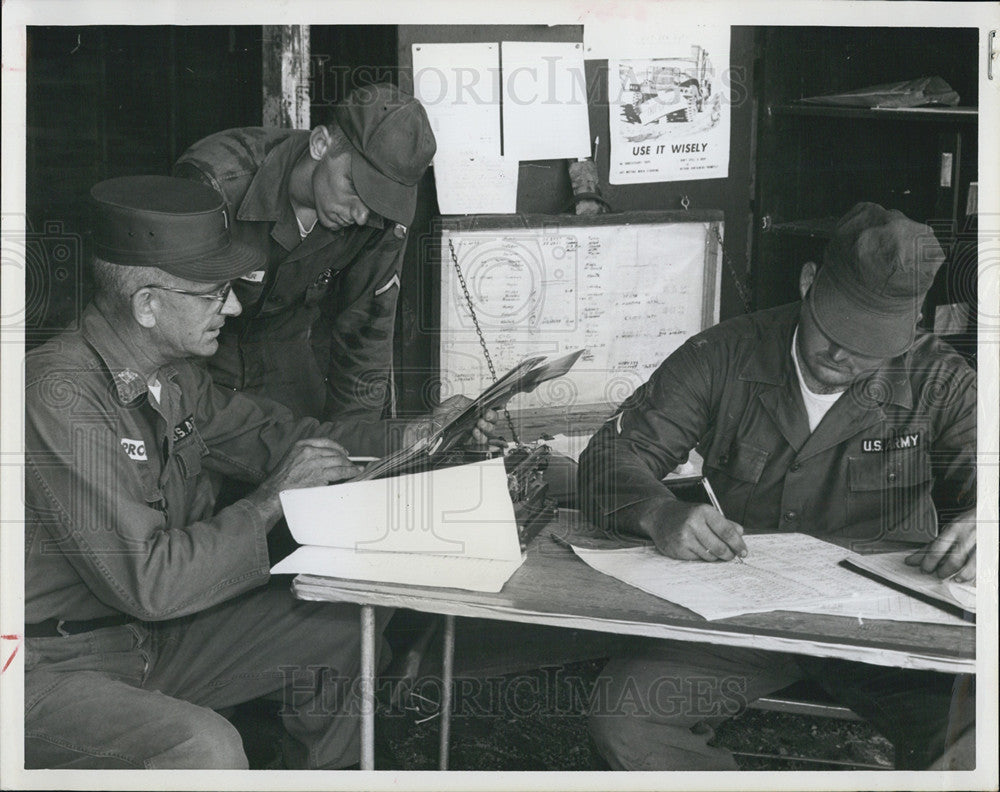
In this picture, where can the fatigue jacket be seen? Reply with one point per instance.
(352, 275)
(893, 454)
(118, 506)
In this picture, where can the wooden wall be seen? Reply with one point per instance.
(813, 168)
(543, 187)
(105, 101)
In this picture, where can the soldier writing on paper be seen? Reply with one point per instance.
(832, 417)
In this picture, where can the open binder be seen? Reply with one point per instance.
(452, 527)
(427, 452)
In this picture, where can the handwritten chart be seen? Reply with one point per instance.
(629, 293)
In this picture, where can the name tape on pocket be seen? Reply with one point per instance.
(874, 445)
(184, 428)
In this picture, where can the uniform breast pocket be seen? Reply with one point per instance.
(248, 290)
(735, 473)
(891, 470)
(151, 491)
(741, 461)
(316, 290)
(889, 495)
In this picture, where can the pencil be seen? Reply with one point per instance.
(715, 502)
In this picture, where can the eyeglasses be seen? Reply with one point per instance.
(219, 295)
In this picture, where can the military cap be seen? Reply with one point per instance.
(177, 225)
(876, 271)
(392, 136)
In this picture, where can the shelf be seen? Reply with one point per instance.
(815, 228)
(930, 114)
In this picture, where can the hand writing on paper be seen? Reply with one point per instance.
(952, 553)
(689, 531)
(313, 462)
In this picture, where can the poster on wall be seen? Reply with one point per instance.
(669, 115)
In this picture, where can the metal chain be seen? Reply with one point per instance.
(741, 289)
(479, 332)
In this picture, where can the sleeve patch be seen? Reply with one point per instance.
(135, 449)
(393, 281)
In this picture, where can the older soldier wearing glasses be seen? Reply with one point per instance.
(146, 607)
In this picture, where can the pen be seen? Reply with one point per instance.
(359, 459)
(715, 502)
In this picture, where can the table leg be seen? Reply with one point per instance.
(447, 668)
(367, 687)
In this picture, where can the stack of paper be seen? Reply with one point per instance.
(893, 567)
(523, 378)
(452, 528)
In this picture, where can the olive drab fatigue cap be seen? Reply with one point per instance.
(177, 225)
(391, 133)
(876, 270)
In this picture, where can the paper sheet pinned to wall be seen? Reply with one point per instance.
(668, 112)
(649, 37)
(544, 101)
(459, 87)
(470, 183)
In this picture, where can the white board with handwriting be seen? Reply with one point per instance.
(629, 294)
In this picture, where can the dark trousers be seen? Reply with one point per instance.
(657, 703)
(144, 695)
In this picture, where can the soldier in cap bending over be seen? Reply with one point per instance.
(328, 211)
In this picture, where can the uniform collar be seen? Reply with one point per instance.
(267, 197)
(128, 365)
(770, 362)
(888, 385)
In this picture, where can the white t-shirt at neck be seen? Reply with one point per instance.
(155, 388)
(817, 404)
(303, 231)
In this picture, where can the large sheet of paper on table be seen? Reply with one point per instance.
(452, 528)
(791, 572)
